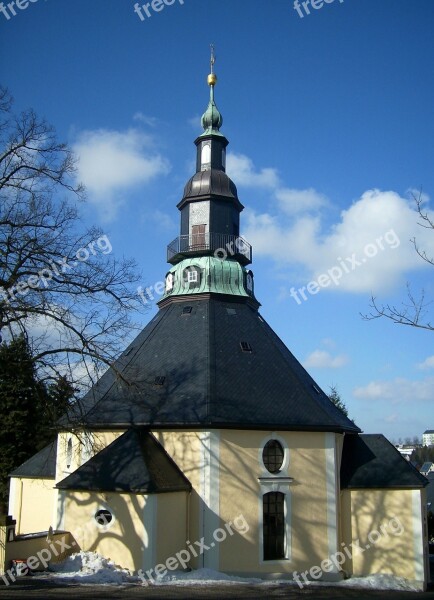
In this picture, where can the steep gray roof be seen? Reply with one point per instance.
(208, 379)
(371, 461)
(135, 462)
(41, 466)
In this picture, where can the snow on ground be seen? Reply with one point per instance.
(92, 568)
(202, 577)
(381, 581)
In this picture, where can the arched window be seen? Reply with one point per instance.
(274, 525)
(69, 453)
(206, 156)
(169, 282)
(273, 456)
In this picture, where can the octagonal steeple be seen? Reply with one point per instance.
(209, 255)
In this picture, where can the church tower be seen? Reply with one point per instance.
(210, 256)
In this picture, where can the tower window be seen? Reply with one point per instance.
(192, 276)
(249, 282)
(245, 347)
(187, 310)
(159, 380)
(69, 453)
(274, 525)
(205, 159)
(169, 282)
(198, 236)
(272, 456)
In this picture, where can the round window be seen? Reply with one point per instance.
(103, 517)
(272, 456)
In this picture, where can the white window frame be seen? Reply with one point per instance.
(275, 482)
(192, 276)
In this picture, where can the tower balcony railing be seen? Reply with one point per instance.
(221, 245)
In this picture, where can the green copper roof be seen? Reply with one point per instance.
(214, 275)
(212, 119)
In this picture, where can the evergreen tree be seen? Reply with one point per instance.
(29, 409)
(335, 397)
(422, 455)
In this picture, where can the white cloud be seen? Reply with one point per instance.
(398, 390)
(428, 363)
(293, 201)
(368, 248)
(195, 122)
(241, 169)
(161, 219)
(145, 119)
(320, 359)
(113, 162)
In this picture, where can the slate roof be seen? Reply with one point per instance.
(371, 461)
(41, 466)
(209, 381)
(427, 466)
(135, 463)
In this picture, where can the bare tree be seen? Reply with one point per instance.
(60, 285)
(415, 312)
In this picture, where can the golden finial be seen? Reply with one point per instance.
(212, 77)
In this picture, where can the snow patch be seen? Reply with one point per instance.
(381, 581)
(92, 568)
(202, 577)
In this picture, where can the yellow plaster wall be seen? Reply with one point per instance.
(240, 494)
(184, 447)
(385, 511)
(171, 525)
(122, 540)
(33, 503)
(98, 440)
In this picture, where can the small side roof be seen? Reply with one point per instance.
(429, 431)
(427, 466)
(41, 466)
(134, 463)
(371, 461)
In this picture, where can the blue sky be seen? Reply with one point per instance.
(331, 126)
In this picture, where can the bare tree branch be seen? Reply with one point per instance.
(416, 311)
(60, 286)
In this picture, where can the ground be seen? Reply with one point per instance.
(30, 588)
(69, 578)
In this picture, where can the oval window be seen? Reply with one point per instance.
(103, 517)
(273, 455)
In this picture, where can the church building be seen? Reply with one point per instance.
(207, 444)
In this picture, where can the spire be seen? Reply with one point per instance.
(211, 118)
